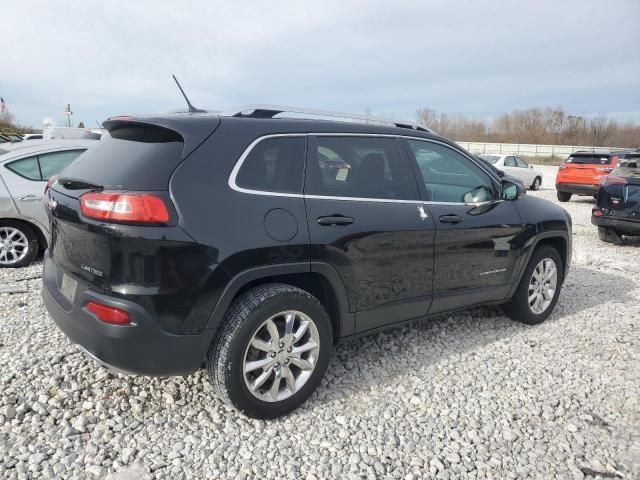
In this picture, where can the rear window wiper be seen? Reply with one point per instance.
(71, 184)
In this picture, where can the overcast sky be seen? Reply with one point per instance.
(478, 58)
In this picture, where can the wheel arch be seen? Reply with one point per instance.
(319, 279)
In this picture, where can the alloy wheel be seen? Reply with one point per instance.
(14, 245)
(542, 285)
(281, 356)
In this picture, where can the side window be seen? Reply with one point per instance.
(510, 162)
(26, 168)
(521, 163)
(53, 163)
(274, 165)
(449, 176)
(360, 167)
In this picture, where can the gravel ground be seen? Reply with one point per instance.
(470, 395)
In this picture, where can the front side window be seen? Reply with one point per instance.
(358, 167)
(53, 163)
(26, 168)
(274, 165)
(449, 176)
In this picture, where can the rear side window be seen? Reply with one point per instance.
(133, 157)
(53, 163)
(274, 165)
(521, 163)
(26, 168)
(510, 162)
(360, 167)
(589, 159)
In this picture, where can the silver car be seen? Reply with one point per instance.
(25, 168)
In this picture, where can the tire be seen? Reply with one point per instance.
(245, 321)
(609, 235)
(18, 244)
(564, 196)
(536, 183)
(519, 307)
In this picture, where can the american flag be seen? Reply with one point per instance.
(3, 106)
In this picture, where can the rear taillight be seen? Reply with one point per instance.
(124, 207)
(50, 183)
(563, 166)
(597, 212)
(605, 169)
(106, 314)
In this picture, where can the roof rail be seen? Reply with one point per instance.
(270, 111)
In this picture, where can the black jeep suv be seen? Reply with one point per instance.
(253, 244)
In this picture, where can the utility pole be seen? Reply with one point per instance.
(68, 113)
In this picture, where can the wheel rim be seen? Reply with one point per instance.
(542, 286)
(536, 184)
(13, 245)
(281, 356)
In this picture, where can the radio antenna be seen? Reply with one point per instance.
(192, 109)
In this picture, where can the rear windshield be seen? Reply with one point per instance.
(132, 157)
(490, 158)
(589, 159)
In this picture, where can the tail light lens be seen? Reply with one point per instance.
(597, 212)
(605, 169)
(112, 315)
(563, 166)
(124, 207)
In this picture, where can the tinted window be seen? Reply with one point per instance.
(274, 165)
(521, 163)
(53, 163)
(449, 176)
(361, 167)
(509, 162)
(589, 159)
(26, 167)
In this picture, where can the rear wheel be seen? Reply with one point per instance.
(536, 183)
(271, 351)
(18, 244)
(564, 196)
(609, 235)
(539, 288)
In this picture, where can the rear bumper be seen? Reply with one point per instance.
(578, 188)
(624, 226)
(140, 348)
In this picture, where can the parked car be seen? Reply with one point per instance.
(186, 239)
(617, 211)
(518, 168)
(32, 136)
(582, 172)
(25, 168)
(501, 174)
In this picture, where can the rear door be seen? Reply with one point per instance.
(366, 220)
(475, 254)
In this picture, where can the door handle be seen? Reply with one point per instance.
(450, 219)
(30, 198)
(335, 220)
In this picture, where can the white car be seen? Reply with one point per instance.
(516, 167)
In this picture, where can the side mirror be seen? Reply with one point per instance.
(510, 190)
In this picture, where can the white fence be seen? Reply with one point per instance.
(528, 150)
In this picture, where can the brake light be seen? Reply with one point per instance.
(563, 166)
(50, 183)
(124, 207)
(112, 315)
(605, 169)
(597, 212)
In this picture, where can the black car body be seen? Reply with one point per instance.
(240, 207)
(617, 210)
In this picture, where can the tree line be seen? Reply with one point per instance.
(542, 126)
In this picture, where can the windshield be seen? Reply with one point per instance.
(491, 158)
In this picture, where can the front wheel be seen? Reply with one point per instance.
(272, 350)
(539, 288)
(564, 196)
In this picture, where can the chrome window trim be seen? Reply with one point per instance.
(238, 165)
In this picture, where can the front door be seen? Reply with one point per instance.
(366, 220)
(475, 258)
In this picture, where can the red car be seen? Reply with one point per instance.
(583, 171)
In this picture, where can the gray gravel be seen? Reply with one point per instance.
(470, 395)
